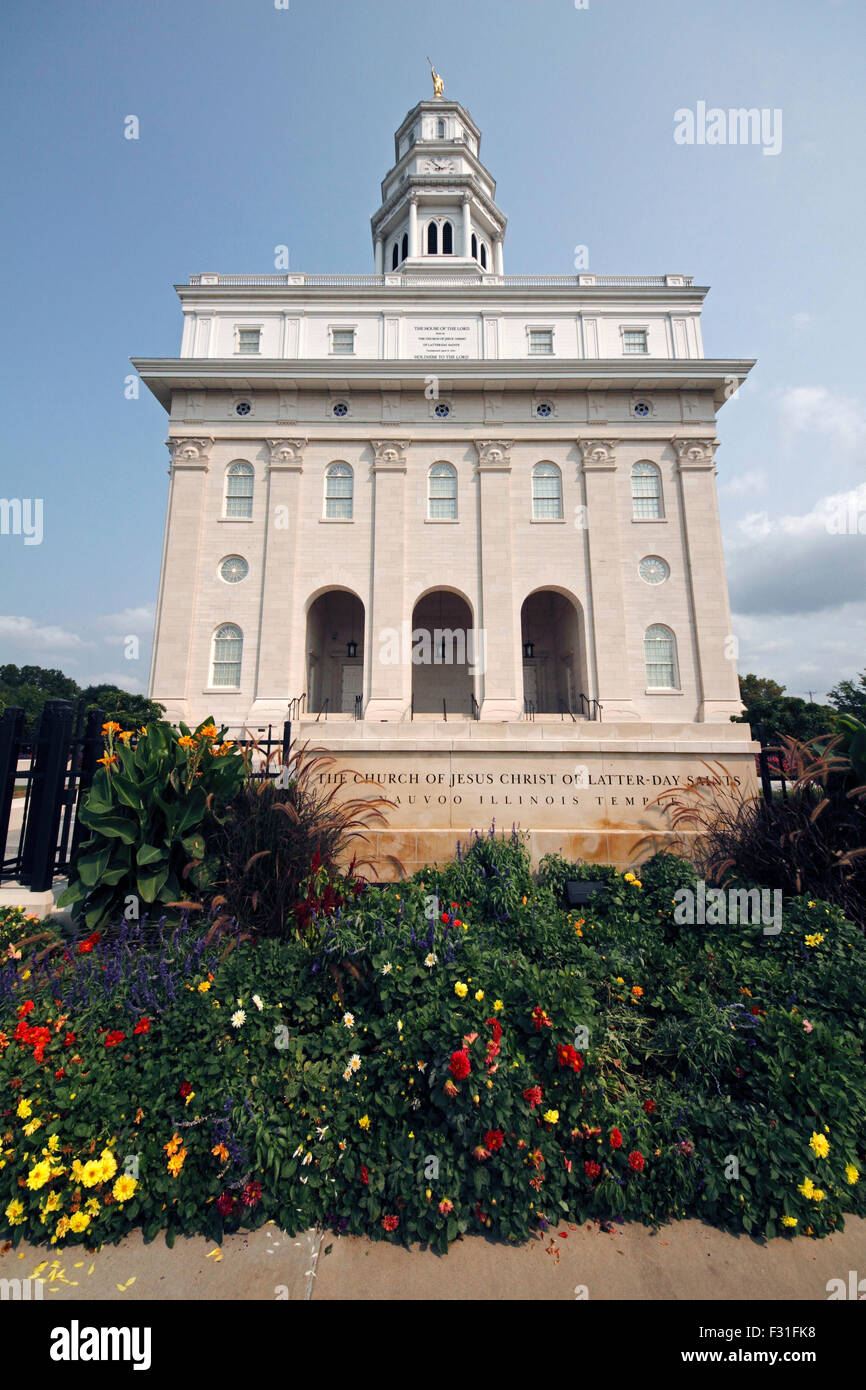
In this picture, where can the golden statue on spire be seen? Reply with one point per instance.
(438, 84)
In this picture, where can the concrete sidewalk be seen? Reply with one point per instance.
(686, 1260)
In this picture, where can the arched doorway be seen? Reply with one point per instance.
(444, 655)
(335, 654)
(554, 653)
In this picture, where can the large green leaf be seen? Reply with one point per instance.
(112, 825)
(91, 867)
(150, 854)
(150, 882)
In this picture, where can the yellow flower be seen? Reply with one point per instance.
(479, 995)
(364, 1122)
(54, 1143)
(629, 878)
(51, 1203)
(498, 1006)
(814, 939)
(204, 987)
(851, 1173)
(810, 904)
(15, 1212)
(176, 1162)
(789, 1220)
(807, 1187)
(31, 1127)
(24, 1110)
(461, 990)
(551, 1116)
(124, 1188)
(817, 1194)
(109, 1165)
(818, 1144)
(78, 1223)
(39, 1175)
(61, 1228)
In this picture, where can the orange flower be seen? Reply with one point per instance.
(186, 742)
(174, 1143)
(175, 1163)
(106, 760)
(220, 1151)
(636, 991)
(208, 731)
(110, 727)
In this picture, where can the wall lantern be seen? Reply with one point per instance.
(529, 650)
(351, 649)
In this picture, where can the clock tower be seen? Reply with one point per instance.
(438, 211)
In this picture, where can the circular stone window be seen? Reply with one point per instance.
(341, 409)
(233, 569)
(544, 410)
(641, 409)
(442, 411)
(243, 408)
(653, 569)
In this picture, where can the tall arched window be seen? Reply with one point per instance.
(546, 492)
(228, 647)
(395, 256)
(660, 651)
(474, 247)
(440, 129)
(442, 492)
(240, 480)
(447, 239)
(339, 488)
(646, 491)
(483, 256)
(432, 239)
(404, 249)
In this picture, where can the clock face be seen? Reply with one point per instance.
(653, 569)
(233, 569)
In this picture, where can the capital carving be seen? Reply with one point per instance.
(695, 453)
(189, 453)
(287, 453)
(598, 453)
(389, 454)
(493, 454)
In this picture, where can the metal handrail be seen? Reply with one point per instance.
(529, 709)
(358, 703)
(474, 707)
(297, 706)
(324, 709)
(565, 709)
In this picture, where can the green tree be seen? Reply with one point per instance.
(780, 714)
(849, 697)
(129, 710)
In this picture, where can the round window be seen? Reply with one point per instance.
(653, 569)
(544, 410)
(641, 408)
(442, 411)
(243, 408)
(233, 569)
(341, 409)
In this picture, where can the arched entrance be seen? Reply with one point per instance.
(444, 655)
(554, 653)
(335, 654)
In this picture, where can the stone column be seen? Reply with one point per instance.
(716, 676)
(467, 225)
(176, 605)
(498, 625)
(413, 226)
(497, 256)
(280, 673)
(613, 675)
(380, 256)
(387, 662)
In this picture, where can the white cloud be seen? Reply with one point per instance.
(39, 637)
(840, 419)
(744, 484)
(122, 679)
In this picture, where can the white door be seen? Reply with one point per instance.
(353, 684)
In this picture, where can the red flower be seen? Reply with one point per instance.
(143, 1026)
(184, 1090)
(115, 1037)
(615, 1139)
(460, 1067)
(592, 1168)
(540, 1019)
(444, 916)
(88, 943)
(496, 1026)
(454, 907)
(636, 1161)
(59, 1075)
(69, 1040)
(390, 1222)
(225, 1204)
(365, 1174)
(251, 1193)
(27, 1007)
(533, 1096)
(457, 922)
(494, 1139)
(649, 1106)
(568, 1057)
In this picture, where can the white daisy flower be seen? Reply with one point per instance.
(298, 1151)
(399, 1025)
(387, 968)
(258, 1002)
(308, 1158)
(349, 1020)
(430, 961)
(239, 1018)
(355, 1062)
(321, 1131)
(347, 1074)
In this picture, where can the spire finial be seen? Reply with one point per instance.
(438, 84)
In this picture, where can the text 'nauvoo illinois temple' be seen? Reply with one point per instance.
(449, 512)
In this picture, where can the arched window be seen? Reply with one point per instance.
(240, 479)
(395, 256)
(474, 247)
(440, 129)
(339, 488)
(442, 492)
(447, 239)
(483, 255)
(546, 492)
(660, 651)
(404, 249)
(646, 492)
(432, 239)
(228, 647)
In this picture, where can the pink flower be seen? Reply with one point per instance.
(445, 1207)
(807, 1025)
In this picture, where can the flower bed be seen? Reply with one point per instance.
(458, 1053)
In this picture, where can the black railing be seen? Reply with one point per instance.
(591, 708)
(564, 710)
(474, 707)
(529, 709)
(297, 706)
(323, 708)
(358, 708)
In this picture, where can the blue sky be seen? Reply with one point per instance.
(262, 126)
